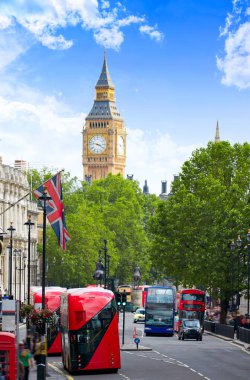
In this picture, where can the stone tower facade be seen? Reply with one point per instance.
(104, 134)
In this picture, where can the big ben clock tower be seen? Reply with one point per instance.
(104, 134)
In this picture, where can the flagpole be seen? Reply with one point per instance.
(13, 204)
(41, 368)
(19, 200)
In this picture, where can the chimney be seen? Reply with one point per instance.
(164, 187)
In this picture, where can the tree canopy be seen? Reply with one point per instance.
(112, 209)
(209, 208)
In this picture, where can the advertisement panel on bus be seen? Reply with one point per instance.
(138, 296)
(52, 302)
(160, 310)
(190, 304)
(90, 334)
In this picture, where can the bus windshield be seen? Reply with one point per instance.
(193, 297)
(159, 316)
(157, 295)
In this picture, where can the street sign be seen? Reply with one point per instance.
(9, 315)
(137, 340)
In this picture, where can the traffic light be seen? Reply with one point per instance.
(118, 299)
(1, 244)
(124, 299)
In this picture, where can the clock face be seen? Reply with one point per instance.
(120, 147)
(97, 144)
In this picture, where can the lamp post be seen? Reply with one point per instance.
(29, 224)
(15, 255)
(105, 263)
(41, 368)
(24, 277)
(11, 229)
(108, 262)
(232, 246)
(18, 254)
(248, 270)
(238, 242)
(20, 269)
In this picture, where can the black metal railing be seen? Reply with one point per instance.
(209, 326)
(224, 330)
(244, 334)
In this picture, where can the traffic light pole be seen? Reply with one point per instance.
(123, 324)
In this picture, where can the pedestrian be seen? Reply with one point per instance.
(38, 352)
(35, 341)
(25, 360)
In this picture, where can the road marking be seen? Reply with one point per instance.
(60, 372)
(174, 361)
(124, 376)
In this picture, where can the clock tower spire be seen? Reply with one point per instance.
(104, 134)
(217, 133)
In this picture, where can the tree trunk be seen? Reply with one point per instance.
(224, 307)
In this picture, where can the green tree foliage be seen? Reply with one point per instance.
(113, 209)
(209, 207)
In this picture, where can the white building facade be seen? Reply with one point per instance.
(14, 258)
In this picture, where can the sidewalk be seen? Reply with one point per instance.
(236, 341)
(51, 373)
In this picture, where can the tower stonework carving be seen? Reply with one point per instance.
(104, 134)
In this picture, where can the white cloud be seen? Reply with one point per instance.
(55, 42)
(235, 62)
(152, 32)
(42, 19)
(130, 20)
(110, 38)
(154, 157)
(5, 22)
(43, 131)
(12, 45)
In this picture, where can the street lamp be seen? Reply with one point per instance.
(11, 229)
(238, 242)
(248, 270)
(29, 224)
(232, 246)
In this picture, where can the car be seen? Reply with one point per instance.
(190, 329)
(139, 315)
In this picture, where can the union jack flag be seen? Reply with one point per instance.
(55, 208)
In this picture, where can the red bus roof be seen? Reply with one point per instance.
(52, 296)
(84, 303)
(192, 291)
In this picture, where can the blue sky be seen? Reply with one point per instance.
(178, 66)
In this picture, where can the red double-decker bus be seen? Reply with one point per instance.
(190, 304)
(52, 302)
(90, 334)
